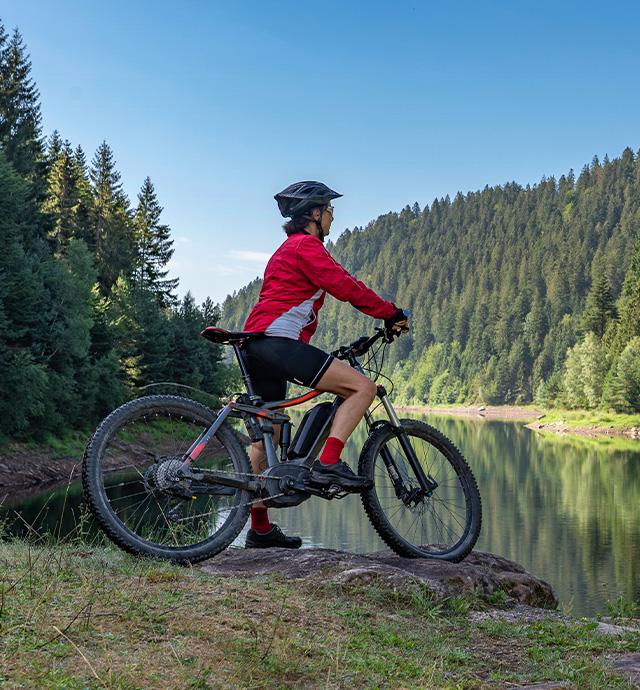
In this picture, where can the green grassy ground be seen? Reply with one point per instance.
(77, 617)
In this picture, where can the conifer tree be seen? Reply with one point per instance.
(155, 248)
(84, 202)
(62, 200)
(623, 391)
(20, 117)
(600, 308)
(629, 325)
(113, 235)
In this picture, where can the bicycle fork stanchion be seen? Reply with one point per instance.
(427, 483)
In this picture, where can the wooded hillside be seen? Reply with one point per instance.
(517, 294)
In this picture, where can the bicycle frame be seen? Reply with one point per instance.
(260, 417)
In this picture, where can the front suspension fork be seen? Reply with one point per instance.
(427, 483)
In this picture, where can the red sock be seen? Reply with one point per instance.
(260, 520)
(331, 452)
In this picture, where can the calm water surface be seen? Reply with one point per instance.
(568, 510)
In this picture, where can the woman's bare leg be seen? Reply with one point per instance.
(358, 392)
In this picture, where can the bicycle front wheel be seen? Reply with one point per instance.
(129, 480)
(443, 523)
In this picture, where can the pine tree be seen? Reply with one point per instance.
(20, 117)
(113, 234)
(155, 248)
(600, 308)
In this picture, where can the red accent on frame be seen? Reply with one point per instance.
(301, 399)
(197, 450)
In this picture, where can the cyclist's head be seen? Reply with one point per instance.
(299, 200)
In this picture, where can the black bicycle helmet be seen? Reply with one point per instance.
(299, 198)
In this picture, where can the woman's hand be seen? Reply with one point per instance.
(398, 322)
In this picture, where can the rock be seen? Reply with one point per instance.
(617, 630)
(549, 685)
(629, 666)
(480, 573)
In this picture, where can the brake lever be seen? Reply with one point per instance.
(389, 335)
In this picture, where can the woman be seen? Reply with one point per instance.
(296, 280)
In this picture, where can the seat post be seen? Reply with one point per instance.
(243, 369)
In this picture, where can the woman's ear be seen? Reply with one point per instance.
(316, 214)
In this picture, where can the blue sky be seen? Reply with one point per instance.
(222, 104)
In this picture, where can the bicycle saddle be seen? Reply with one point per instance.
(220, 336)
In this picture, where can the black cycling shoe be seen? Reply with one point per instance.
(341, 474)
(274, 537)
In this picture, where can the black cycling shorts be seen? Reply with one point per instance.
(272, 361)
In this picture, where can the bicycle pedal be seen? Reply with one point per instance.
(337, 492)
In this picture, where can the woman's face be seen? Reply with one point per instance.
(327, 219)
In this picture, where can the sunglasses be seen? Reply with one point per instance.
(329, 209)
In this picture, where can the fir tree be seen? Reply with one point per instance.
(629, 325)
(19, 107)
(155, 248)
(600, 308)
(113, 236)
(623, 391)
(63, 194)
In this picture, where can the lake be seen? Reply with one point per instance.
(567, 509)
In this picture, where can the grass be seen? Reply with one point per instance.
(74, 616)
(70, 444)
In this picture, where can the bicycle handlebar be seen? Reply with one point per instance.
(362, 345)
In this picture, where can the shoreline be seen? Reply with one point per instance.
(502, 413)
(535, 420)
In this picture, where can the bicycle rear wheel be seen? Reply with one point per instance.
(442, 524)
(129, 480)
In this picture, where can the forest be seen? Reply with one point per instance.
(517, 294)
(88, 317)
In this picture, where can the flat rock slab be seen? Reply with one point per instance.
(629, 665)
(481, 572)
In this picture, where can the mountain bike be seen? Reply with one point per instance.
(167, 477)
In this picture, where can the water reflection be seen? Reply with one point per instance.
(566, 509)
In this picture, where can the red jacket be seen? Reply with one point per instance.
(296, 280)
